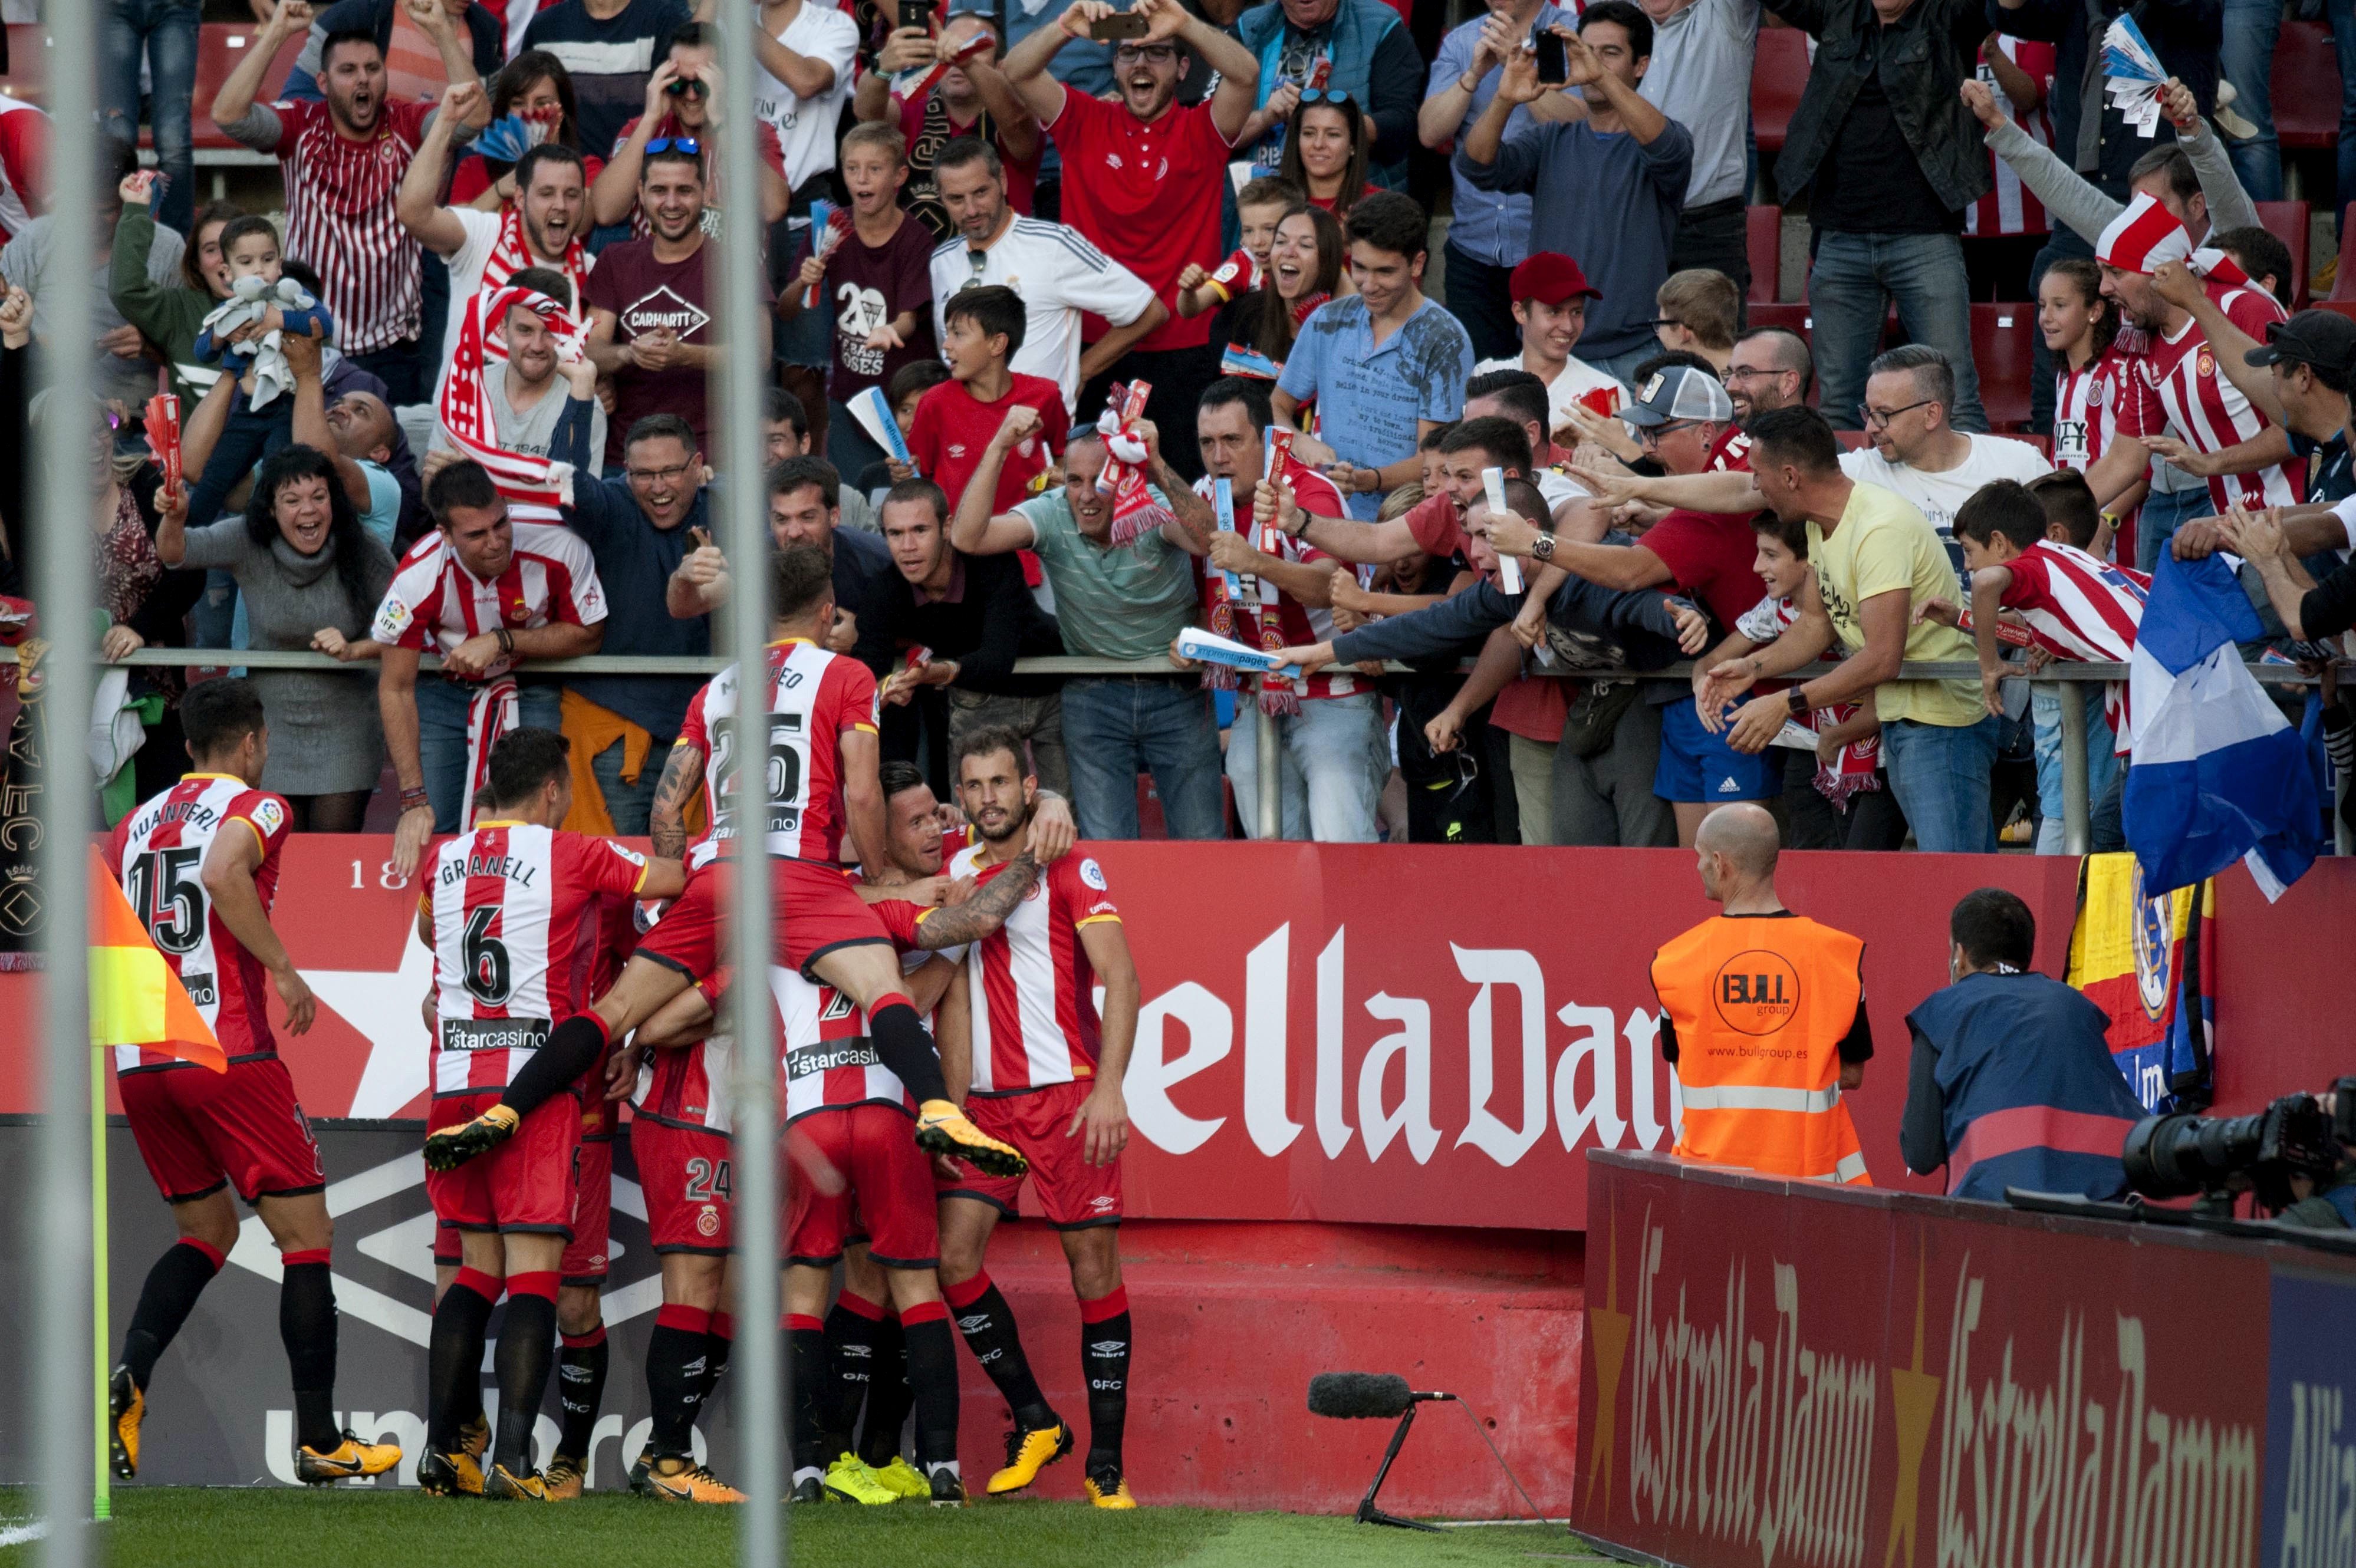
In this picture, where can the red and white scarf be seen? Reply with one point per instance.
(511, 253)
(1855, 767)
(1258, 597)
(535, 487)
(493, 709)
(1134, 510)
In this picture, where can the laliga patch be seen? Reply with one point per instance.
(632, 855)
(1093, 875)
(270, 816)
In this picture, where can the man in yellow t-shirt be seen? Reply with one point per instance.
(1877, 561)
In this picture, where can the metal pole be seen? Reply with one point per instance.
(2343, 841)
(2077, 810)
(760, 1539)
(1272, 769)
(62, 1405)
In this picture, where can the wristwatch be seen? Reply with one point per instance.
(1794, 703)
(1544, 548)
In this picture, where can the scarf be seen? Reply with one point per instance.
(493, 709)
(511, 253)
(163, 425)
(1854, 768)
(1256, 597)
(1135, 512)
(535, 487)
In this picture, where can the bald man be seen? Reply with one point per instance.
(1762, 1017)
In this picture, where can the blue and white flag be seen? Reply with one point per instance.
(2219, 773)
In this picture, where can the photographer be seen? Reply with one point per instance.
(2012, 1082)
(2328, 1203)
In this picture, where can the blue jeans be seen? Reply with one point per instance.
(2341, 15)
(1115, 727)
(2245, 57)
(442, 737)
(1939, 776)
(2045, 712)
(1856, 278)
(631, 806)
(2165, 511)
(248, 436)
(164, 31)
(1329, 784)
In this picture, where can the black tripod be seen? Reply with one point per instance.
(1367, 1512)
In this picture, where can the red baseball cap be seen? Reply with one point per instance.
(1550, 277)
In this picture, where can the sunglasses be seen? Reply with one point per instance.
(689, 85)
(1333, 95)
(688, 145)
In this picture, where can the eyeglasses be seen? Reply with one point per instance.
(656, 475)
(688, 145)
(689, 87)
(1747, 373)
(1659, 322)
(1651, 435)
(1875, 417)
(1333, 95)
(1152, 54)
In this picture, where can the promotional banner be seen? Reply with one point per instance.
(1402, 1035)
(1793, 1374)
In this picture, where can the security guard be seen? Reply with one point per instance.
(1762, 1017)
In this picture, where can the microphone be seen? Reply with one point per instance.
(1369, 1396)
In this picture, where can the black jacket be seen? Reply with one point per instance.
(993, 623)
(1932, 51)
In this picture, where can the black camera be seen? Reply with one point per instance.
(2213, 1158)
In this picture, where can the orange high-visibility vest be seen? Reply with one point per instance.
(1760, 1004)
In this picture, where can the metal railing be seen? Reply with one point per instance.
(2077, 815)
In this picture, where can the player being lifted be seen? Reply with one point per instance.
(513, 910)
(1044, 1073)
(818, 757)
(199, 866)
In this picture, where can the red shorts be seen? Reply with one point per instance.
(1073, 1194)
(816, 907)
(690, 1179)
(884, 1195)
(527, 1184)
(447, 1250)
(197, 1129)
(593, 1214)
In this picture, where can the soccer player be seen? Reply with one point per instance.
(511, 908)
(200, 865)
(1044, 1074)
(820, 762)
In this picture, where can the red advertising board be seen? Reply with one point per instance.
(1786, 1373)
(1372, 1034)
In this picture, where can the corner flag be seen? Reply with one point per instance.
(134, 996)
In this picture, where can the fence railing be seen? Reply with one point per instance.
(2077, 816)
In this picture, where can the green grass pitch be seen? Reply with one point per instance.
(168, 1527)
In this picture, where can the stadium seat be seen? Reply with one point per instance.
(2344, 280)
(29, 63)
(2004, 340)
(1764, 239)
(2044, 443)
(1777, 74)
(221, 49)
(2288, 221)
(2339, 307)
(2305, 88)
(1794, 316)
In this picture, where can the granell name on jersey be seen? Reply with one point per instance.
(516, 870)
(194, 812)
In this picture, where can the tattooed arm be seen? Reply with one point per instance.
(682, 775)
(982, 913)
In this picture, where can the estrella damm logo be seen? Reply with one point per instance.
(1756, 992)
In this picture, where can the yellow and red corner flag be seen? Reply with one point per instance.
(135, 997)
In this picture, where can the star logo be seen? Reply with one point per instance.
(1607, 1330)
(1914, 1401)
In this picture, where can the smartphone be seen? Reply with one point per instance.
(1554, 59)
(1120, 25)
(917, 14)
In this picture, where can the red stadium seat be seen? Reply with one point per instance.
(220, 50)
(1762, 238)
(2004, 339)
(29, 63)
(2044, 443)
(1794, 315)
(2339, 307)
(2343, 282)
(2305, 88)
(2288, 221)
(1777, 74)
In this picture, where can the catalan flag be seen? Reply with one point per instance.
(2149, 961)
(134, 996)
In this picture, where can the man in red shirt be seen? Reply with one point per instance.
(1144, 178)
(982, 331)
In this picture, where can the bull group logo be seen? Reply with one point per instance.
(1756, 992)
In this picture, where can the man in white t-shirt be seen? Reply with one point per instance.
(805, 51)
(1550, 296)
(541, 227)
(1909, 393)
(1056, 271)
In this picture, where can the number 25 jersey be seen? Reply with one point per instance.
(516, 930)
(815, 699)
(158, 855)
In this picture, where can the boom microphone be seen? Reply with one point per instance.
(1367, 1396)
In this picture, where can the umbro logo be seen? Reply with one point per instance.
(1109, 1347)
(975, 1324)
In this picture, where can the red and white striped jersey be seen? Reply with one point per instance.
(2095, 405)
(157, 853)
(815, 699)
(1035, 1009)
(1731, 453)
(518, 916)
(1273, 607)
(24, 165)
(2012, 208)
(551, 578)
(830, 1063)
(2207, 411)
(340, 198)
(688, 1087)
(2078, 606)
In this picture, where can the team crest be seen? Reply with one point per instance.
(707, 1222)
(2206, 365)
(2097, 392)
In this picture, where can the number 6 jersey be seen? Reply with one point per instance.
(515, 910)
(158, 855)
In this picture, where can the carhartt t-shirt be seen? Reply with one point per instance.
(647, 295)
(1883, 545)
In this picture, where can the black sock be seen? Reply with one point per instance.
(806, 1354)
(170, 1294)
(988, 1324)
(579, 1390)
(572, 1048)
(854, 1325)
(306, 1323)
(718, 1341)
(899, 1038)
(527, 1348)
(932, 1379)
(675, 1364)
(1104, 1363)
(454, 1393)
(888, 1397)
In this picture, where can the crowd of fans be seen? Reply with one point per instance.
(1091, 327)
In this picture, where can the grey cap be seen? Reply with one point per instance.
(1680, 392)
